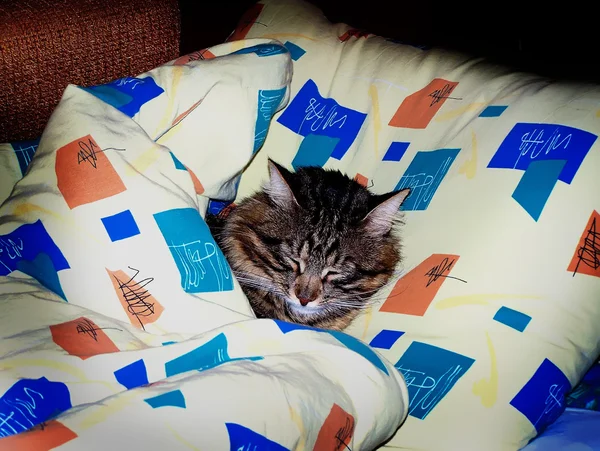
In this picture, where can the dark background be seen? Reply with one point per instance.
(557, 40)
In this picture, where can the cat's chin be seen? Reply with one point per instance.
(300, 310)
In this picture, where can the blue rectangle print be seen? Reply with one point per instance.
(127, 94)
(25, 243)
(217, 206)
(120, 226)
(204, 357)
(528, 142)
(430, 373)
(244, 439)
(493, 111)
(314, 150)
(542, 399)
(396, 151)
(309, 113)
(201, 263)
(269, 101)
(208, 355)
(424, 175)
(512, 318)
(537, 184)
(29, 402)
(386, 339)
(169, 399)
(133, 375)
(24, 150)
(296, 52)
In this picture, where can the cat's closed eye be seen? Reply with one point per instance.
(330, 274)
(297, 264)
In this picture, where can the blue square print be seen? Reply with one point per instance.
(29, 402)
(536, 185)
(200, 262)
(424, 176)
(127, 94)
(314, 150)
(386, 339)
(512, 318)
(242, 438)
(542, 399)
(132, 375)
(121, 226)
(396, 151)
(296, 52)
(430, 373)
(528, 142)
(310, 113)
(493, 111)
(24, 151)
(269, 101)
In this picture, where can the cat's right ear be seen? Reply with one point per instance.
(277, 188)
(380, 220)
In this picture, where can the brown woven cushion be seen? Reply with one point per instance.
(47, 44)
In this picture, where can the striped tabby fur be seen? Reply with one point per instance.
(312, 247)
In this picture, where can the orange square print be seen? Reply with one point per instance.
(85, 174)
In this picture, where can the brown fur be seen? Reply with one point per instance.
(312, 247)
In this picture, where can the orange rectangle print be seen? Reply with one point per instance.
(85, 174)
(139, 305)
(45, 437)
(337, 431)
(182, 116)
(81, 337)
(361, 179)
(245, 23)
(415, 291)
(197, 184)
(417, 110)
(586, 259)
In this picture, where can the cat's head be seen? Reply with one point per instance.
(316, 242)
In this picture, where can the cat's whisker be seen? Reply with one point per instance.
(258, 282)
(347, 305)
(255, 284)
(251, 275)
(391, 281)
(252, 284)
(382, 297)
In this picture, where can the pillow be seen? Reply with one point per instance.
(495, 316)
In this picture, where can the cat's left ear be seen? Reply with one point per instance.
(277, 188)
(380, 219)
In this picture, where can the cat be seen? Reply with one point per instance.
(312, 247)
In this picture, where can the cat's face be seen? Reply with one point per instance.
(313, 247)
(326, 272)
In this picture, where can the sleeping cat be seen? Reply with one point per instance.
(312, 247)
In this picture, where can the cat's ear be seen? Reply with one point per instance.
(277, 188)
(380, 219)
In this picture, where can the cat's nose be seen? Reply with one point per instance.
(304, 301)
